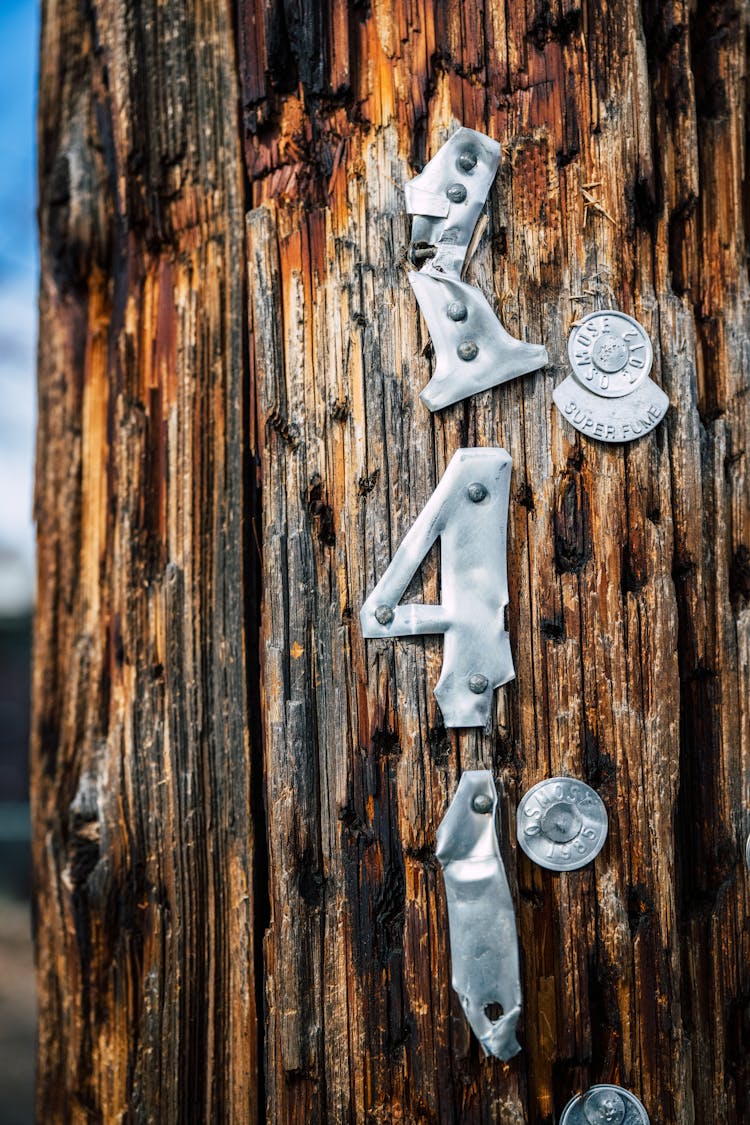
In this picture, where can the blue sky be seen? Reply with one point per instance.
(19, 21)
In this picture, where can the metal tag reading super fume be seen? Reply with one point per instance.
(609, 396)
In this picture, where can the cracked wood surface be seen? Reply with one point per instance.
(239, 911)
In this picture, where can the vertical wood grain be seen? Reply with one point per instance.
(621, 184)
(143, 835)
(234, 797)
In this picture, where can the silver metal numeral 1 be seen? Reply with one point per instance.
(484, 943)
(473, 352)
(468, 512)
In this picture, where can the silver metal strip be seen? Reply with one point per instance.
(484, 942)
(447, 196)
(473, 352)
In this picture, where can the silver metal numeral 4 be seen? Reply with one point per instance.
(468, 512)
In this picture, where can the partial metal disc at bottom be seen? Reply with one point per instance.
(561, 823)
(605, 1105)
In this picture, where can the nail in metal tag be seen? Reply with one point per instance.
(484, 943)
(561, 824)
(468, 511)
(473, 352)
(447, 197)
(605, 1105)
(609, 396)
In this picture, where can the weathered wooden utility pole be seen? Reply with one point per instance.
(238, 913)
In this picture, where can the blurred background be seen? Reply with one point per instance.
(18, 283)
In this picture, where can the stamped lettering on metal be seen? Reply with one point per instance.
(484, 942)
(605, 1105)
(609, 396)
(473, 352)
(468, 512)
(561, 823)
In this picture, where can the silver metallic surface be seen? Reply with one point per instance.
(472, 350)
(605, 1105)
(609, 396)
(747, 852)
(474, 584)
(607, 419)
(610, 353)
(484, 944)
(561, 823)
(498, 357)
(447, 196)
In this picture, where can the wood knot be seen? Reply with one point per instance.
(321, 511)
(287, 431)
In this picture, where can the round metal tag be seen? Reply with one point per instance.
(609, 396)
(561, 824)
(605, 1105)
(610, 353)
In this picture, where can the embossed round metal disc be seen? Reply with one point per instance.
(605, 1105)
(610, 353)
(561, 823)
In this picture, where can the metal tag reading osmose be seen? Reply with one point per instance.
(605, 1105)
(561, 823)
(609, 396)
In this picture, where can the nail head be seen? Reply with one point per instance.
(456, 193)
(478, 683)
(457, 310)
(384, 615)
(467, 350)
(476, 491)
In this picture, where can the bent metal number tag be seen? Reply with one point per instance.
(609, 396)
(481, 917)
